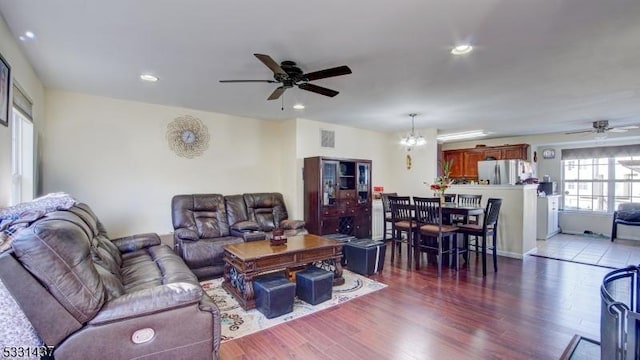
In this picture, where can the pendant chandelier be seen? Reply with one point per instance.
(412, 139)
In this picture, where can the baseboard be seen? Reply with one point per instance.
(510, 254)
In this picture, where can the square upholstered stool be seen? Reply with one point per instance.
(274, 295)
(314, 285)
(365, 256)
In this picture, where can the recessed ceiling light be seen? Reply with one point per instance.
(462, 49)
(148, 77)
(298, 107)
(28, 35)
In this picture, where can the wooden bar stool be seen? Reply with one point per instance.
(488, 228)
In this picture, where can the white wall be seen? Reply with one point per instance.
(113, 155)
(23, 74)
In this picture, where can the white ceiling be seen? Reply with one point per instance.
(538, 66)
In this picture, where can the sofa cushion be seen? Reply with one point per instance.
(206, 252)
(57, 250)
(266, 209)
(203, 213)
(629, 215)
(236, 209)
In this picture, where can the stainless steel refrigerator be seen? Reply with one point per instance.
(503, 172)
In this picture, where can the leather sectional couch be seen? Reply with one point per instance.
(92, 297)
(204, 223)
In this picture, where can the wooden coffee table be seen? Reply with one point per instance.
(245, 261)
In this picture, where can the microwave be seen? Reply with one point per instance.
(549, 188)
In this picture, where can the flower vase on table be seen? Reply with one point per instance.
(442, 183)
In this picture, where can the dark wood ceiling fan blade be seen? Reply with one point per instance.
(276, 93)
(271, 64)
(248, 81)
(327, 73)
(318, 89)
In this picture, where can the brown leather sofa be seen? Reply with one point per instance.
(92, 297)
(205, 223)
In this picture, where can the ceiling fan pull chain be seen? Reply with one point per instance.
(282, 106)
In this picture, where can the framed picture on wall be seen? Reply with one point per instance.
(5, 72)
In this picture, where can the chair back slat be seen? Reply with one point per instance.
(469, 200)
(400, 208)
(385, 201)
(450, 198)
(427, 210)
(492, 212)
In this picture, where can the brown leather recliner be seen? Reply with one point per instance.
(269, 212)
(205, 223)
(92, 297)
(201, 231)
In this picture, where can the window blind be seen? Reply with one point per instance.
(600, 152)
(22, 103)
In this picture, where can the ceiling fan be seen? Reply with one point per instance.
(602, 126)
(289, 75)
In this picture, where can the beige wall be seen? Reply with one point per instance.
(383, 149)
(23, 74)
(113, 155)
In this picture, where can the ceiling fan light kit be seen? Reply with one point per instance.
(289, 75)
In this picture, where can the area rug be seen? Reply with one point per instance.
(237, 322)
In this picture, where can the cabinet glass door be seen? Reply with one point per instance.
(364, 180)
(329, 182)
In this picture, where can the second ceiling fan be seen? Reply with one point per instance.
(290, 75)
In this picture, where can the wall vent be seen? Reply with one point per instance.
(327, 138)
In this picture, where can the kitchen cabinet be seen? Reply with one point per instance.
(465, 161)
(337, 196)
(457, 162)
(547, 213)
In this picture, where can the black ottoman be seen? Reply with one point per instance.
(343, 239)
(314, 285)
(365, 256)
(274, 295)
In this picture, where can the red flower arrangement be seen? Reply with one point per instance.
(443, 182)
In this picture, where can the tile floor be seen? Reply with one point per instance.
(594, 250)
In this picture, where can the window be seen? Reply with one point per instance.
(22, 151)
(602, 182)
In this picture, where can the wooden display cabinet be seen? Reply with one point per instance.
(337, 196)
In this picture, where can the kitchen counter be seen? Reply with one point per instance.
(517, 221)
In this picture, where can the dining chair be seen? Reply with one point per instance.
(386, 213)
(467, 200)
(432, 232)
(402, 223)
(488, 228)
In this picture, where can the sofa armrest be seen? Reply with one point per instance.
(292, 224)
(248, 235)
(186, 234)
(246, 225)
(148, 301)
(136, 242)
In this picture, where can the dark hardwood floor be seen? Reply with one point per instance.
(530, 309)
